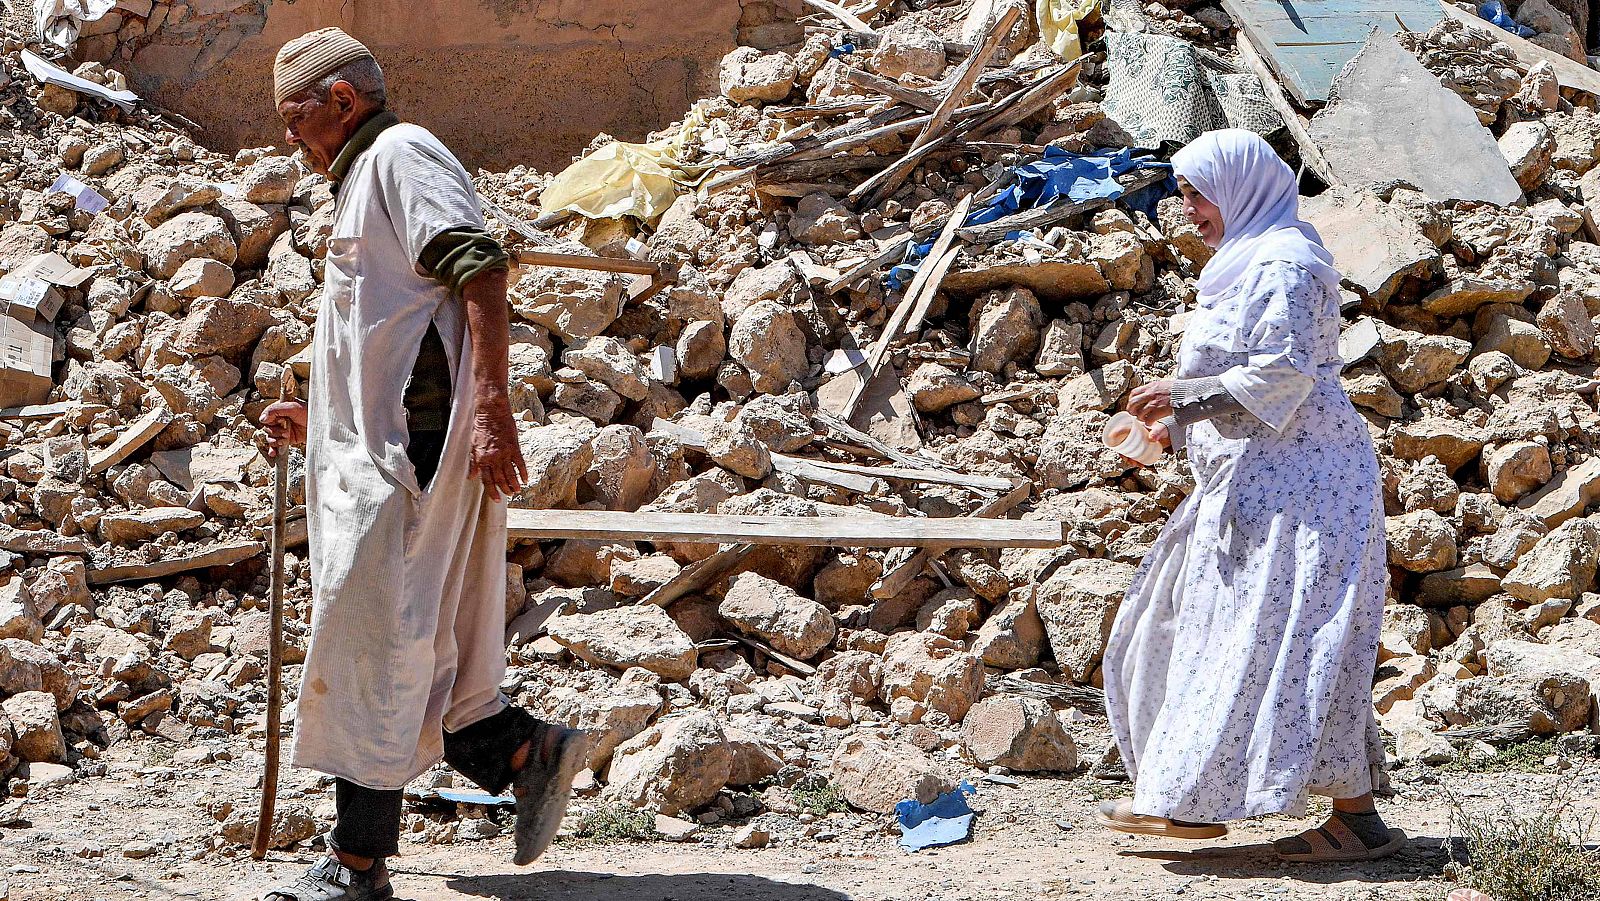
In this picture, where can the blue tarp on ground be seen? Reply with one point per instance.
(1058, 177)
(944, 821)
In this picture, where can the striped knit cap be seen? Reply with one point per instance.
(311, 57)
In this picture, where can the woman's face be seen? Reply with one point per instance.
(1202, 213)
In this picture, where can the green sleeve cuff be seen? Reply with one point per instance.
(459, 255)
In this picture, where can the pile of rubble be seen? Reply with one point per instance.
(786, 371)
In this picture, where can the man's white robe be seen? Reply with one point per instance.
(408, 622)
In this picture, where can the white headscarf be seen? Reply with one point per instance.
(1260, 203)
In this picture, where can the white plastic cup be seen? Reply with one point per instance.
(1126, 435)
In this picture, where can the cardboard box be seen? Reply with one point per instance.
(26, 352)
(31, 287)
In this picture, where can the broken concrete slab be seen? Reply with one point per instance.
(1307, 42)
(1567, 495)
(1390, 119)
(1374, 245)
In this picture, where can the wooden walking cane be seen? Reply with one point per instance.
(269, 779)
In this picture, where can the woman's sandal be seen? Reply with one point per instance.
(1335, 842)
(1119, 815)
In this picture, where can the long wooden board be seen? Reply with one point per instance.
(813, 531)
(1307, 42)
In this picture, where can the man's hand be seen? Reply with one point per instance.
(1151, 402)
(496, 457)
(285, 422)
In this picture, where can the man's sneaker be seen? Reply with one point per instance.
(543, 786)
(330, 880)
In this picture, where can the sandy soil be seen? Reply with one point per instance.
(1035, 840)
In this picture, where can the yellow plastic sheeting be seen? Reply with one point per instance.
(1058, 25)
(623, 179)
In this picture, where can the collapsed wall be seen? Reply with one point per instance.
(503, 82)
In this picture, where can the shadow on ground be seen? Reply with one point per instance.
(570, 886)
(1422, 857)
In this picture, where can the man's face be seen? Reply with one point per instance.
(320, 126)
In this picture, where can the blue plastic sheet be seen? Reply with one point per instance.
(945, 821)
(844, 49)
(1059, 176)
(1496, 13)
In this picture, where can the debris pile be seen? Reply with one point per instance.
(912, 267)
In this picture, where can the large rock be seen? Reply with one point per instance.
(1512, 470)
(934, 388)
(1529, 149)
(621, 468)
(1567, 495)
(221, 325)
(611, 715)
(794, 625)
(908, 48)
(627, 636)
(1390, 118)
(1561, 565)
(572, 303)
(1005, 327)
(1013, 635)
(38, 727)
(18, 618)
(1078, 604)
(1414, 361)
(1422, 541)
(748, 74)
(673, 767)
(1453, 442)
(134, 526)
(819, 219)
(609, 362)
(875, 775)
(1022, 734)
(767, 340)
(1522, 341)
(1567, 325)
(558, 454)
(923, 673)
(1376, 246)
(186, 237)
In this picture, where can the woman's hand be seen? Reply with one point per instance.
(1152, 402)
(1158, 434)
(285, 422)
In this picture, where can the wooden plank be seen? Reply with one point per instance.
(581, 261)
(816, 471)
(799, 666)
(880, 186)
(870, 40)
(919, 99)
(132, 438)
(698, 575)
(918, 474)
(896, 578)
(43, 411)
(1307, 42)
(1569, 73)
(923, 282)
(810, 531)
(1310, 153)
(845, 16)
(225, 555)
(841, 427)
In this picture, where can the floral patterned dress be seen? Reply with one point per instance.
(1239, 671)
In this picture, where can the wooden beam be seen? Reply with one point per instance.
(845, 16)
(892, 89)
(223, 555)
(895, 579)
(1310, 153)
(925, 281)
(811, 531)
(583, 261)
(1569, 73)
(918, 474)
(698, 575)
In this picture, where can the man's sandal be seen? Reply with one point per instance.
(1119, 815)
(1335, 842)
(543, 786)
(329, 880)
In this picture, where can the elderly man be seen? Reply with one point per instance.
(410, 451)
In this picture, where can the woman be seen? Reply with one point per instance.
(1239, 670)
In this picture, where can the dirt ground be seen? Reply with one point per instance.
(1033, 840)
